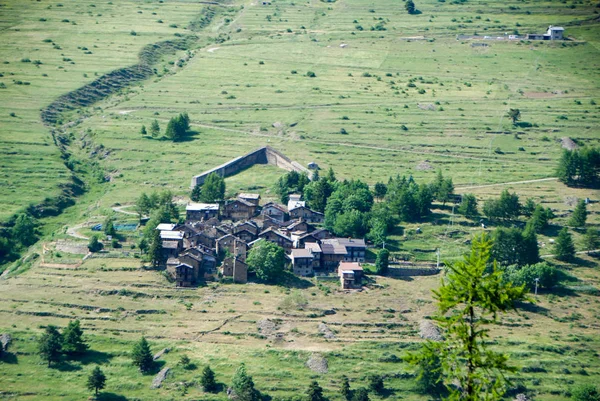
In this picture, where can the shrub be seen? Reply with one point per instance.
(585, 392)
(311, 74)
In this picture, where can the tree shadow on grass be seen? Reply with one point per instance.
(92, 356)
(110, 397)
(583, 262)
(386, 393)
(156, 367)
(531, 307)
(189, 136)
(9, 357)
(65, 366)
(290, 280)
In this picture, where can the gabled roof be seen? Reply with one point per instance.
(313, 247)
(331, 246)
(170, 244)
(301, 253)
(350, 266)
(242, 201)
(184, 265)
(270, 229)
(249, 196)
(202, 206)
(294, 204)
(229, 235)
(274, 205)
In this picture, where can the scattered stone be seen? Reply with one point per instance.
(424, 166)
(427, 106)
(277, 125)
(326, 331)
(521, 397)
(158, 379)
(571, 200)
(5, 339)
(160, 353)
(568, 143)
(267, 327)
(317, 363)
(429, 331)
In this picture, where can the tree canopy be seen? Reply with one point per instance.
(141, 355)
(96, 380)
(580, 167)
(178, 127)
(579, 215)
(267, 260)
(72, 339)
(243, 386)
(213, 189)
(564, 249)
(50, 344)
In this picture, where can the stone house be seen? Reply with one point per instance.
(294, 202)
(201, 211)
(252, 198)
(302, 262)
(277, 237)
(302, 212)
(236, 269)
(351, 274)
(232, 245)
(238, 209)
(355, 249)
(275, 211)
(332, 253)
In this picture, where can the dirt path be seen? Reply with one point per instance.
(507, 183)
(576, 253)
(72, 231)
(119, 209)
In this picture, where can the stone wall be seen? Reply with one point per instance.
(412, 271)
(264, 155)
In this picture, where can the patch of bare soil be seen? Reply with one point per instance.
(539, 95)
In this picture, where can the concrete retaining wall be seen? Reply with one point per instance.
(265, 155)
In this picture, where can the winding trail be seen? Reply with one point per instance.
(507, 183)
(119, 209)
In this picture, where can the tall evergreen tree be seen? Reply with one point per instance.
(471, 297)
(361, 394)
(579, 215)
(109, 226)
(155, 253)
(50, 345)
(72, 339)
(468, 206)
(564, 249)
(591, 240)
(143, 131)
(154, 129)
(410, 6)
(382, 262)
(315, 392)
(243, 386)
(96, 380)
(195, 195)
(141, 355)
(207, 381)
(94, 244)
(380, 190)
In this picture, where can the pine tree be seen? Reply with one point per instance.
(591, 240)
(564, 249)
(243, 386)
(73, 339)
(382, 262)
(109, 227)
(410, 7)
(155, 253)
(50, 345)
(154, 129)
(207, 381)
(141, 356)
(470, 297)
(195, 195)
(345, 388)
(97, 380)
(143, 131)
(468, 206)
(213, 189)
(579, 215)
(94, 245)
(314, 392)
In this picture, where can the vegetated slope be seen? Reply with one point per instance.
(49, 48)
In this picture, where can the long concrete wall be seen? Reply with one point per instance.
(414, 271)
(264, 155)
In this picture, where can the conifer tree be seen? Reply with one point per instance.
(141, 355)
(564, 249)
(470, 297)
(155, 253)
(154, 129)
(143, 131)
(314, 392)
(243, 386)
(579, 215)
(50, 345)
(97, 380)
(73, 342)
(591, 240)
(207, 381)
(345, 388)
(382, 262)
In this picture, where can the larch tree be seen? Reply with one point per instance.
(72, 339)
(470, 298)
(579, 215)
(50, 345)
(96, 380)
(141, 355)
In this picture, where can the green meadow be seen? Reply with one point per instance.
(356, 85)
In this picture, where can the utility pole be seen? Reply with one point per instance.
(537, 280)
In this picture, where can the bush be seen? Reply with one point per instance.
(585, 392)
(311, 74)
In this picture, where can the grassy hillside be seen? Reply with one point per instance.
(554, 343)
(392, 93)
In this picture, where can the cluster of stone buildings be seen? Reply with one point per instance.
(216, 238)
